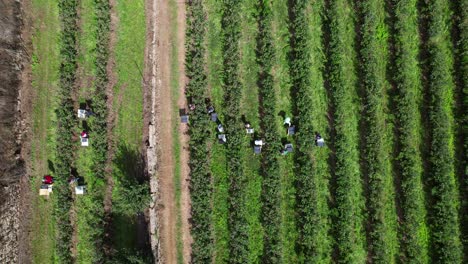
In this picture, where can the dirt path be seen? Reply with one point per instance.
(184, 138)
(166, 168)
(111, 116)
(159, 141)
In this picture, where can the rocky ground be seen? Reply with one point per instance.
(13, 124)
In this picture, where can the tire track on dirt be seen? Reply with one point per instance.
(167, 203)
(111, 117)
(185, 206)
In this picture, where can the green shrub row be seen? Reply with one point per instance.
(230, 23)
(66, 122)
(99, 129)
(98, 126)
(461, 10)
(200, 131)
(270, 169)
(376, 144)
(445, 233)
(348, 197)
(413, 228)
(314, 243)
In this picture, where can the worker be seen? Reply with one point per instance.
(191, 107)
(73, 179)
(210, 109)
(89, 113)
(47, 179)
(88, 110)
(222, 138)
(259, 142)
(287, 121)
(248, 128)
(84, 134)
(319, 141)
(317, 136)
(220, 128)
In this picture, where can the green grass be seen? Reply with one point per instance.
(87, 209)
(220, 205)
(129, 52)
(128, 105)
(45, 67)
(87, 48)
(249, 105)
(248, 73)
(283, 84)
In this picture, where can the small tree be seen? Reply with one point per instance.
(131, 198)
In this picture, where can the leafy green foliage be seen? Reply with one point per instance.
(200, 185)
(99, 129)
(461, 67)
(230, 23)
(445, 239)
(413, 229)
(95, 223)
(312, 205)
(65, 121)
(132, 198)
(376, 139)
(270, 170)
(349, 202)
(463, 118)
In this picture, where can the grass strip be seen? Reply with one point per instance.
(45, 74)
(282, 84)
(381, 219)
(347, 185)
(220, 207)
(130, 194)
(249, 107)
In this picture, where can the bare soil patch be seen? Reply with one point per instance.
(167, 211)
(183, 137)
(111, 116)
(15, 106)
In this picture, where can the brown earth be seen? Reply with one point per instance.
(158, 133)
(184, 139)
(15, 102)
(111, 117)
